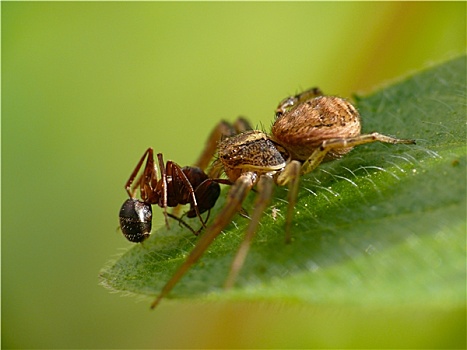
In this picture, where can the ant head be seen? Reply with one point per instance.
(135, 220)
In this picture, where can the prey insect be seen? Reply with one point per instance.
(176, 186)
(310, 128)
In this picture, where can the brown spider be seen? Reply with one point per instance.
(176, 186)
(309, 128)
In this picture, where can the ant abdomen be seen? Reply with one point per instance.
(207, 191)
(206, 195)
(135, 220)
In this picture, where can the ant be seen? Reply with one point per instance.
(310, 128)
(176, 186)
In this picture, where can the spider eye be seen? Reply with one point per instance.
(135, 220)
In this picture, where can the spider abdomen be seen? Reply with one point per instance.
(303, 128)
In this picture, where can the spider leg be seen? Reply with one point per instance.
(291, 101)
(236, 196)
(318, 155)
(241, 125)
(265, 187)
(291, 176)
(221, 130)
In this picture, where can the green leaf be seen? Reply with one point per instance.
(383, 226)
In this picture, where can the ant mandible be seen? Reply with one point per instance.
(310, 128)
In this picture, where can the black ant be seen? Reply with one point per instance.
(176, 186)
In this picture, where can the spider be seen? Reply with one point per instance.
(177, 186)
(309, 128)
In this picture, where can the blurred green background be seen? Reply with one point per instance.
(87, 87)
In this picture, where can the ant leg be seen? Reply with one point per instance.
(291, 101)
(265, 187)
(149, 175)
(237, 195)
(318, 155)
(163, 173)
(181, 222)
(135, 186)
(180, 175)
(290, 175)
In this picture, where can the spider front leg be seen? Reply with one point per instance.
(345, 143)
(222, 130)
(237, 195)
(264, 189)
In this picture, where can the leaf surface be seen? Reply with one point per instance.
(385, 225)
